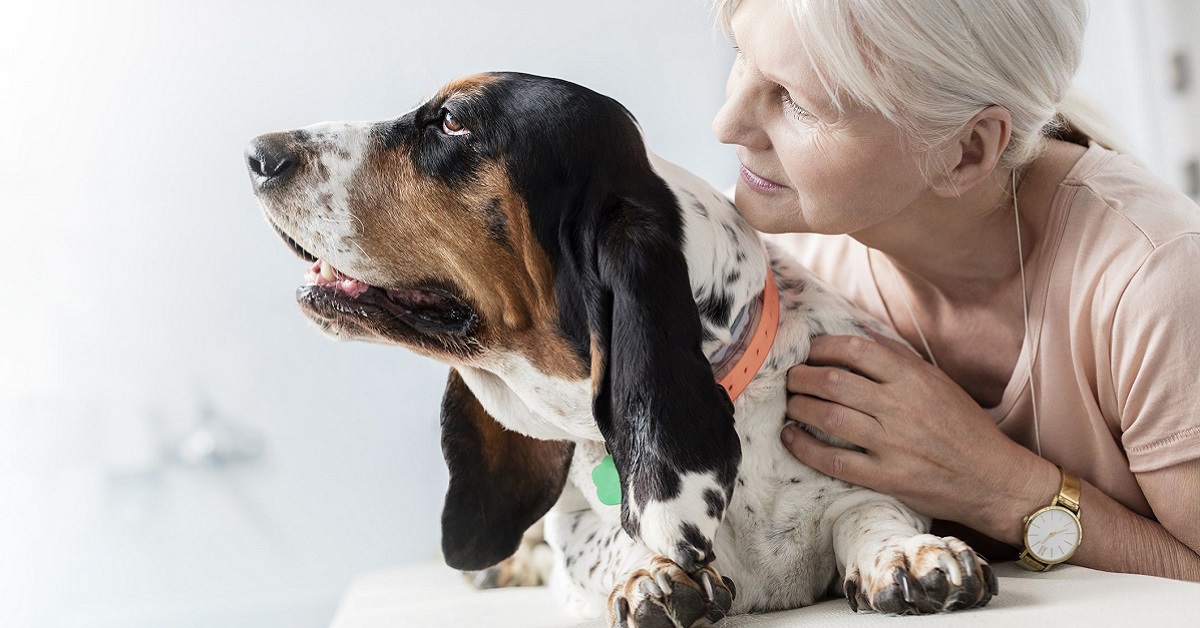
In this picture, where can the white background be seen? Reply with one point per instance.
(146, 297)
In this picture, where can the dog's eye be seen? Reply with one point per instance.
(451, 125)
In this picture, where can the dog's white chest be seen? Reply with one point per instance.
(533, 403)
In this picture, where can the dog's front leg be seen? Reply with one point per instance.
(600, 569)
(889, 563)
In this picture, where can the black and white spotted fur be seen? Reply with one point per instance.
(710, 495)
(790, 534)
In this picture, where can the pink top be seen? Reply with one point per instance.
(1114, 316)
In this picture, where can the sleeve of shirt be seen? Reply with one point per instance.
(1156, 357)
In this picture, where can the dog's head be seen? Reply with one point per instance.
(510, 214)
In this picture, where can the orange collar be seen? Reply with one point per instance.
(743, 371)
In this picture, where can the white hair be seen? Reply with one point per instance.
(929, 66)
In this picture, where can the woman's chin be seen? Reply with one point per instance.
(772, 212)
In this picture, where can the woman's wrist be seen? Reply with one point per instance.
(1025, 484)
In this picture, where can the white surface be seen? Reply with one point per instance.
(433, 595)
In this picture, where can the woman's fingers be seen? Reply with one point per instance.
(827, 382)
(844, 464)
(863, 355)
(834, 419)
(838, 385)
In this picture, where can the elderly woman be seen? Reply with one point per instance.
(928, 159)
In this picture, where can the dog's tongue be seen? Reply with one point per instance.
(322, 274)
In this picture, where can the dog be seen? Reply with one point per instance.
(588, 295)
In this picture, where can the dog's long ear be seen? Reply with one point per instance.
(667, 422)
(501, 482)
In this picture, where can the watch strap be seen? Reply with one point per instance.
(1029, 562)
(1068, 493)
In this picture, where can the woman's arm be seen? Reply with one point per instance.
(930, 445)
(1177, 533)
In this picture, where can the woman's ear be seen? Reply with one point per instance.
(975, 153)
(501, 481)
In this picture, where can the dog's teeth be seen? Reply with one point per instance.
(327, 271)
(310, 277)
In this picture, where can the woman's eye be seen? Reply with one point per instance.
(796, 110)
(451, 125)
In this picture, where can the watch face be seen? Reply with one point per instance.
(1053, 535)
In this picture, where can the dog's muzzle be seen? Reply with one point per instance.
(269, 160)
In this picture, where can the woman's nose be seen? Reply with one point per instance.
(738, 121)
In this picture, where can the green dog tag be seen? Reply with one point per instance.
(608, 483)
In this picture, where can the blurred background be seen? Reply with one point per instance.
(178, 446)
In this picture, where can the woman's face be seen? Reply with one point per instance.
(805, 167)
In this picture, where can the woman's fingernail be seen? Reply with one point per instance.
(787, 435)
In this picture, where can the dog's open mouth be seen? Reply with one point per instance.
(330, 292)
(322, 274)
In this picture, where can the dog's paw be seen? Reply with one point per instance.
(920, 575)
(665, 595)
(681, 526)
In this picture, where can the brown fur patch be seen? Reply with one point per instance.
(466, 86)
(418, 231)
(925, 558)
(598, 358)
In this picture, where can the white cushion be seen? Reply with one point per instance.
(434, 595)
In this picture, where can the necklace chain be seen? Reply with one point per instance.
(1037, 433)
(913, 316)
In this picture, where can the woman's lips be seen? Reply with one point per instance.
(759, 183)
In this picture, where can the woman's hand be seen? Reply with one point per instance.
(926, 441)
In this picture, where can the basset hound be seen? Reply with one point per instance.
(589, 296)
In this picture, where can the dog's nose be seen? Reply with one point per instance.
(268, 157)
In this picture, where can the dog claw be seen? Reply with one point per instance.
(720, 600)
(993, 585)
(970, 563)
(906, 585)
(954, 572)
(651, 588)
(706, 581)
(622, 612)
(664, 582)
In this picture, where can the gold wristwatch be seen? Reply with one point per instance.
(1053, 533)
